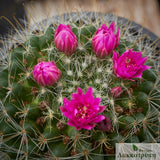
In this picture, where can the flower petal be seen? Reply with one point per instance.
(101, 108)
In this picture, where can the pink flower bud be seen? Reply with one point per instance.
(105, 125)
(65, 40)
(129, 65)
(46, 73)
(105, 40)
(116, 92)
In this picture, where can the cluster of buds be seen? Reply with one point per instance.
(127, 66)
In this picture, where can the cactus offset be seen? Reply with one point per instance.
(31, 123)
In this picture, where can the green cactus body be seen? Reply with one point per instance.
(31, 124)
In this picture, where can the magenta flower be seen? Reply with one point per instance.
(65, 40)
(105, 125)
(105, 40)
(46, 73)
(129, 65)
(83, 110)
(116, 92)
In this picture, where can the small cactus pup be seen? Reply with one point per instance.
(67, 94)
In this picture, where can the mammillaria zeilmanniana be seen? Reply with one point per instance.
(73, 91)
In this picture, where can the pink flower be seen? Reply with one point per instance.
(46, 73)
(83, 110)
(116, 91)
(129, 65)
(65, 40)
(105, 125)
(105, 40)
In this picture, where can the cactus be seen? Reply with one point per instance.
(31, 123)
